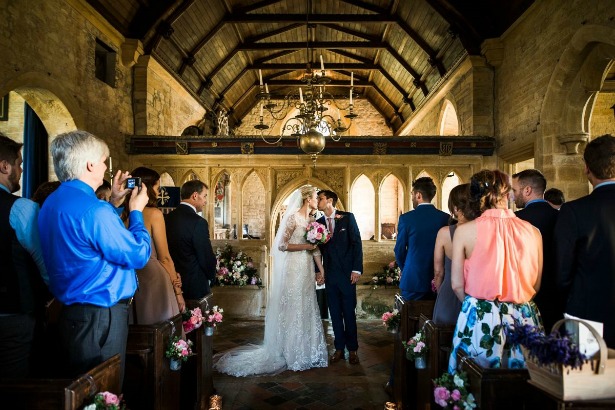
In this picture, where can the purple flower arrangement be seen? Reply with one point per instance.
(556, 348)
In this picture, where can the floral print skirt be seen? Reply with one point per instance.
(480, 332)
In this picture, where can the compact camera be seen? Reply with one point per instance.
(132, 183)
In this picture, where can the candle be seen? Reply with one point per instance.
(110, 164)
(261, 110)
(300, 96)
(322, 64)
(351, 79)
(351, 96)
(260, 77)
(266, 88)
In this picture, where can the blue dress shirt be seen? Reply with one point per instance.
(89, 253)
(22, 218)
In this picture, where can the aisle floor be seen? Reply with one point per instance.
(340, 386)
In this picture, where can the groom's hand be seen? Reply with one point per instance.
(354, 277)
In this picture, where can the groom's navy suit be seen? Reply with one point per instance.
(342, 255)
(414, 250)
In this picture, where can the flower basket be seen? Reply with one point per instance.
(595, 380)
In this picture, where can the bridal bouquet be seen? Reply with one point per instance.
(193, 319)
(317, 234)
(106, 401)
(451, 392)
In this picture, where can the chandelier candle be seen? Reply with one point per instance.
(322, 64)
(260, 77)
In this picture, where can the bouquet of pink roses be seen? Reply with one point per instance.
(106, 401)
(317, 234)
(451, 392)
(213, 316)
(179, 349)
(391, 320)
(193, 319)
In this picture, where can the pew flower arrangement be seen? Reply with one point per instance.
(106, 401)
(235, 268)
(179, 349)
(556, 348)
(416, 346)
(391, 320)
(389, 276)
(451, 392)
(193, 319)
(213, 316)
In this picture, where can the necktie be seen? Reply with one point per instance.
(330, 224)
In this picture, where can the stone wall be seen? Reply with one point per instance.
(253, 208)
(13, 128)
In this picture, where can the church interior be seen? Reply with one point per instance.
(258, 98)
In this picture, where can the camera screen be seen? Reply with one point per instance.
(131, 183)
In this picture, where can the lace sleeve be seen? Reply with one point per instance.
(288, 232)
(316, 252)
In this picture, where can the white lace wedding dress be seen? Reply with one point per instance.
(294, 335)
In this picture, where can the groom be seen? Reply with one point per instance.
(342, 261)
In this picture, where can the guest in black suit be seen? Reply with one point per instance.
(555, 198)
(528, 188)
(585, 242)
(189, 243)
(343, 262)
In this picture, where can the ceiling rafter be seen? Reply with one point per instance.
(299, 45)
(256, 6)
(314, 18)
(418, 83)
(365, 6)
(431, 53)
(355, 33)
(280, 30)
(165, 27)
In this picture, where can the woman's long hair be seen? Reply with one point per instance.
(487, 188)
(149, 177)
(459, 198)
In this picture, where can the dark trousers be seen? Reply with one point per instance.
(16, 333)
(342, 300)
(92, 334)
(321, 298)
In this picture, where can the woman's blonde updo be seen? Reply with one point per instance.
(487, 188)
(306, 192)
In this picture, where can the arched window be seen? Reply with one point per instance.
(451, 180)
(253, 207)
(363, 206)
(166, 179)
(449, 124)
(391, 206)
(221, 196)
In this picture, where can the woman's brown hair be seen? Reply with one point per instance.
(487, 188)
(149, 177)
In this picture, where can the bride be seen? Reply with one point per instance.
(294, 336)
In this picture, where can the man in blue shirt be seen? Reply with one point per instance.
(21, 286)
(90, 255)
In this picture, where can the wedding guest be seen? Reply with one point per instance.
(447, 307)
(104, 191)
(89, 253)
(416, 240)
(585, 240)
(21, 279)
(159, 296)
(43, 191)
(495, 276)
(555, 198)
(189, 243)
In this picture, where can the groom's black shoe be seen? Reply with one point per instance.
(337, 356)
(353, 358)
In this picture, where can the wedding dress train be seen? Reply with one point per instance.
(294, 335)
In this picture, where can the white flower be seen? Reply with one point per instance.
(469, 404)
(90, 407)
(395, 311)
(458, 381)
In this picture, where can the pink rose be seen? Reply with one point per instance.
(392, 265)
(456, 395)
(250, 265)
(419, 346)
(188, 327)
(456, 407)
(441, 395)
(110, 398)
(217, 317)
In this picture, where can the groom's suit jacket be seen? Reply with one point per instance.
(344, 251)
(585, 257)
(191, 251)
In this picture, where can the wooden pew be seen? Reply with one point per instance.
(149, 383)
(498, 388)
(439, 338)
(67, 394)
(197, 374)
(405, 375)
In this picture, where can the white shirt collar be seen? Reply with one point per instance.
(190, 205)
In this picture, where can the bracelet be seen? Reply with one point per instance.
(179, 294)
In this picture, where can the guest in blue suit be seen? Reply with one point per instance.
(343, 262)
(416, 239)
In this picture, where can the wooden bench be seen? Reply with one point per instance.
(67, 394)
(149, 383)
(405, 375)
(197, 373)
(439, 338)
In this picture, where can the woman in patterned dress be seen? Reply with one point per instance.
(496, 271)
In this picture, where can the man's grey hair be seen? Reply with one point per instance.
(72, 151)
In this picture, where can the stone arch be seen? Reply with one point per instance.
(448, 120)
(391, 204)
(190, 175)
(253, 197)
(448, 183)
(365, 209)
(576, 79)
(166, 179)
